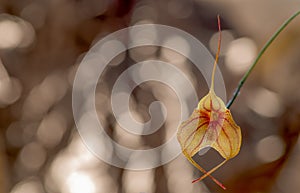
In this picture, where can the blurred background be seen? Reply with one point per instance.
(42, 43)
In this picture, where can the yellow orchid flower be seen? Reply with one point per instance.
(210, 125)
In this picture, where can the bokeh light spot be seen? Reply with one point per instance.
(177, 43)
(33, 156)
(265, 102)
(80, 182)
(28, 186)
(51, 129)
(15, 32)
(270, 148)
(227, 38)
(240, 54)
(10, 34)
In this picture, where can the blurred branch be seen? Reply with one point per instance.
(262, 51)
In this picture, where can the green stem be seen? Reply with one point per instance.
(262, 51)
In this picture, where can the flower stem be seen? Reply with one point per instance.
(262, 51)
